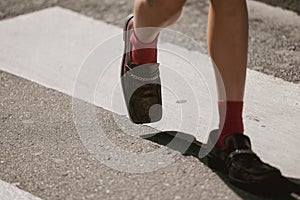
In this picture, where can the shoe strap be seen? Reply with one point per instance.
(239, 152)
(144, 73)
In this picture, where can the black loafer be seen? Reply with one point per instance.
(239, 161)
(141, 85)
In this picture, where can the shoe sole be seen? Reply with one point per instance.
(219, 165)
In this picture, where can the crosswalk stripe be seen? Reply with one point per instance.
(11, 192)
(50, 46)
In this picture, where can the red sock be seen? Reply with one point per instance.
(232, 120)
(143, 53)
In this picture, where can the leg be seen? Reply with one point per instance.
(228, 46)
(143, 98)
(156, 14)
(150, 17)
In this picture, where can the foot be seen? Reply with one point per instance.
(239, 161)
(141, 84)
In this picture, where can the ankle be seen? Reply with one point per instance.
(231, 120)
(143, 53)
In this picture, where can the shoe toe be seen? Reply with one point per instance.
(252, 170)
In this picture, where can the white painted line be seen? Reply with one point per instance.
(49, 47)
(10, 192)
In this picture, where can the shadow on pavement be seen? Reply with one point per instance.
(286, 188)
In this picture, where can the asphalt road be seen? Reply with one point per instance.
(42, 153)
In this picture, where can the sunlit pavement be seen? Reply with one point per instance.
(42, 151)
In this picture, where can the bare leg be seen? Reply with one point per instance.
(228, 45)
(156, 14)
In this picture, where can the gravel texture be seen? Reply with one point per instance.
(41, 152)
